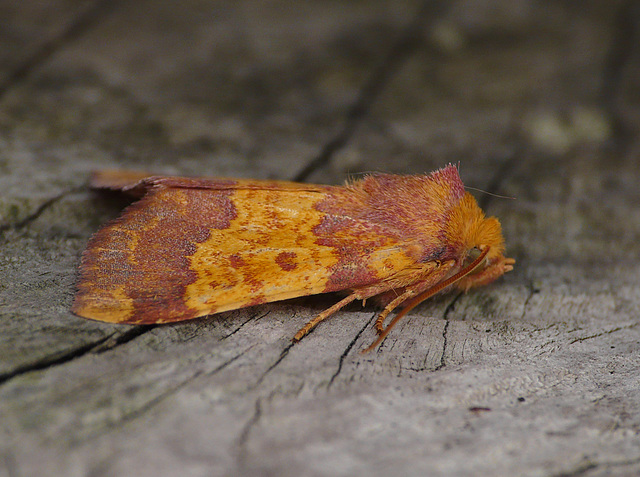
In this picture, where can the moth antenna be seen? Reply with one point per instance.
(490, 193)
(428, 294)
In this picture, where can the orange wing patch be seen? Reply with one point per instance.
(242, 264)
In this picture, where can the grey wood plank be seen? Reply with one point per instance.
(533, 375)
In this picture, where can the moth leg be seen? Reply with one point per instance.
(495, 270)
(323, 316)
(392, 305)
(410, 292)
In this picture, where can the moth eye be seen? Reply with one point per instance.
(472, 255)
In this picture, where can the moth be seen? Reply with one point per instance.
(191, 247)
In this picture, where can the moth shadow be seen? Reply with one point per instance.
(107, 205)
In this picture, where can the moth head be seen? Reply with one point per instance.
(479, 236)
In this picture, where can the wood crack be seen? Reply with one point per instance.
(86, 20)
(445, 330)
(169, 392)
(255, 316)
(283, 355)
(54, 360)
(532, 291)
(153, 402)
(377, 82)
(99, 346)
(243, 437)
(603, 333)
(40, 210)
(349, 347)
(589, 465)
(123, 338)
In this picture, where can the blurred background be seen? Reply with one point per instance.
(537, 100)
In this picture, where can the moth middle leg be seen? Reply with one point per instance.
(360, 294)
(302, 332)
(409, 283)
(431, 276)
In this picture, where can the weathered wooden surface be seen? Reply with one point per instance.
(537, 374)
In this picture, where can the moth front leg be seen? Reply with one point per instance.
(427, 280)
(411, 282)
(495, 269)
